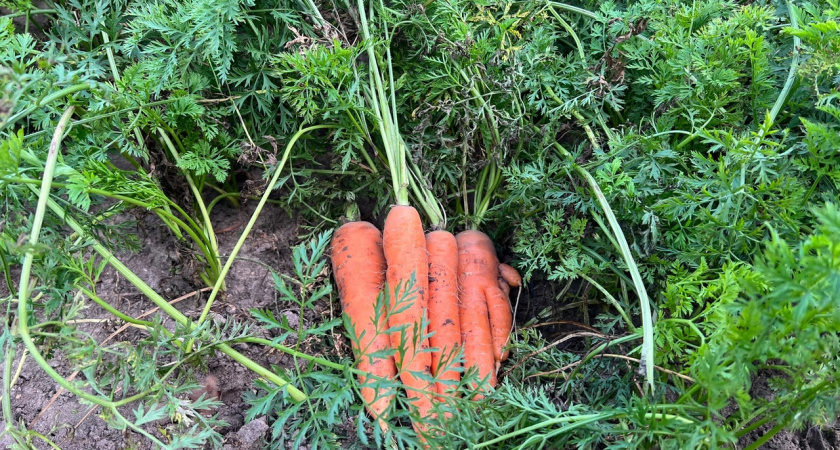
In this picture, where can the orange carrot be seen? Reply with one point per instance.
(444, 316)
(501, 320)
(359, 268)
(487, 275)
(475, 263)
(405, 253)
(510, 275)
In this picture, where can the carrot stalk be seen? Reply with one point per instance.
(358, 264)
(444, 314)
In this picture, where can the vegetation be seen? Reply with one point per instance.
(669, 169)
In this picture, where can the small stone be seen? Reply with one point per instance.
(250, 435)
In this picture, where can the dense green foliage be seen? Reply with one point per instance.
(711, 128)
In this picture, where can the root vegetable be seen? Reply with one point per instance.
(476, 264)
(510, 275)
(405, 253)
(358, 264)
(444, 315)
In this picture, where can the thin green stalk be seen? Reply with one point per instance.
(115, 311)
(111, 114)
(647, 357)
(136, 130)
(43, 438)
(160, 212)
(23, 291)
(780, 100)
(794, 65)
(586, 128)
(70, 90)
(574, 9)
(570, 30)
(612, 300)
(766, 437)
(577, 115)
(295, 353)
(661, 416)
(8, 418)
(113, 63)
(548, 423)
(7, 273)
(598, 350)
(220, 198)
(207, 229)
(600, 222)
(29, 12)
(229, 262)
(690, 325)
(32, 159)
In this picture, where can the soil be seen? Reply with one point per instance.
(162, 265)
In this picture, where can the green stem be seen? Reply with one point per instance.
(767, 436)
(751, 427)
(691, 325)
(113, 63)
(111, 114)
(780, 100)
(570, 30)
(647, 357)
(160, 212)
(295, 353)
(548, 423)
(7, 273)
(586, 128)
(23, 291)
(45, 101)
(229, 262)
(612, 300)
(43, 438)
(794, 64)
(115, 311)
(574, 9)
(234, 195)
(207, 229)
(8, 418)
(598, 350)
(600, 222)
(29, 12)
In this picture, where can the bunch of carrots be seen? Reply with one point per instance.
(460, 288)
(460, 294)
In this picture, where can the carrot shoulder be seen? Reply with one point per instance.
(444, 314)
(359, 268)
(405, 254)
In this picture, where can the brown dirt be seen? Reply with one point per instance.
(164, 268)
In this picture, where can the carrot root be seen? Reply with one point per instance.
(406, 257)
(358, 264)
(444, 314)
